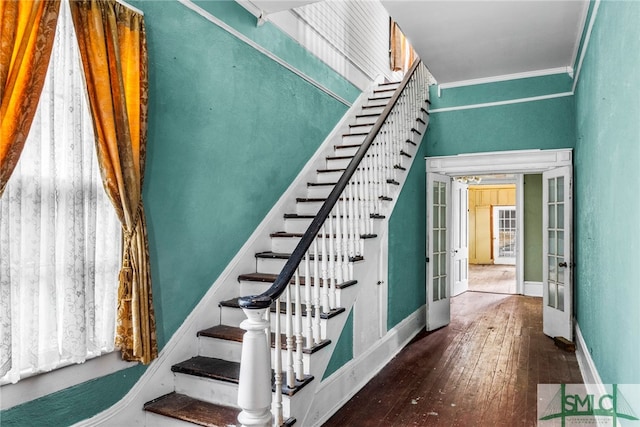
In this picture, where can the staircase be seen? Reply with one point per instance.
(307, 319)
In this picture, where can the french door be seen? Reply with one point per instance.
(460, 237)
(438, 258)
(557, 253)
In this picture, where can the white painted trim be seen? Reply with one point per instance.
(588, 369)
(183, 343)
(520, 234)
(36, 386)
(211, 18)
(533, 289)
(521, 161)
(507, 77)
(576, 47)
(585, 46)
(505, 102)
(336, 390)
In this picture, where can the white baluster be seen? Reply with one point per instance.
(339, 251)
(277, 366)
(307, 300)
(345, 235)
(298, 329)
(316, 293)
(325, 272)
(332, 264)
(254, 387)
(291, 381)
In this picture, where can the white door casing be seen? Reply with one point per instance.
(557, 280)
(460, 237)
(438, 256)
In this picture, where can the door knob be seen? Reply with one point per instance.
(562, 264)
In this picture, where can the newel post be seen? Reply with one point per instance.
(254, 389)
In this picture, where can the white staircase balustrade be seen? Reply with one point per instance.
(325, 260)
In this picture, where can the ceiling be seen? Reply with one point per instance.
(475, 40)
(471, 40)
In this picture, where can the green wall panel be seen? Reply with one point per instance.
(229, 129)
(533, 228)
(502, 91)
(607, 202)
(545, 124)
(407, 246)
(343, 351)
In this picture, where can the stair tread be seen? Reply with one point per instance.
(234, 333)
(196, 411)
(302, 216)
(292, 235)
(233, 303)
(209, 367)
(330, 170)
(283, 255)
(270, 278)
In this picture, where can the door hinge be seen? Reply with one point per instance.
(427, 259)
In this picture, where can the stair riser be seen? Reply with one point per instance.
(275, 265)
(235, 348)
(219, 348)
(234, 317)
(372, 110)
(284, 245)
(296, 225)
(361, 129)
(350, 139)
(366, 119)
(338, 163)
(379, 101)
(347, 151)
(329, 177)
(323, 191)
(206, 389)
(308, 208)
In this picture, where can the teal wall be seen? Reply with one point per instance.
(229, 129)
(343, 351)
(407, 245)
(607, 195)
(532, 228)
(546, 124)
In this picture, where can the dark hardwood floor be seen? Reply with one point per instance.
(481, 370)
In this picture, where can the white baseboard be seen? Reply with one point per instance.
(588, 369)
(533, 289)
(336, 390)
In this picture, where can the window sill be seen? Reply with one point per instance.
(43, 384)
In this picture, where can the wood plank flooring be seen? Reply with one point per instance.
(481, 370)
(496, 278)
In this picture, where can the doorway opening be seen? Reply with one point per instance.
(493, 223)
(448, 209)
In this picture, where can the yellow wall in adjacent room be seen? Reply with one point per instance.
(482, 199)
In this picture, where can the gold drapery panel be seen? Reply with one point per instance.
(26, 39)
(112, 42)
(401, 53)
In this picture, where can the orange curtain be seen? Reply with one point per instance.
(112, 44)
(401, 53)
(26, 37)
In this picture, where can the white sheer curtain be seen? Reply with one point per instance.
(59, 236)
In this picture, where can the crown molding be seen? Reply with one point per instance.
(507, 77)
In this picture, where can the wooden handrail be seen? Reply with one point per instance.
(264, 300)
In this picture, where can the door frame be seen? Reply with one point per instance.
(518, 162)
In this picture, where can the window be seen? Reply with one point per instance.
(59, 235)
